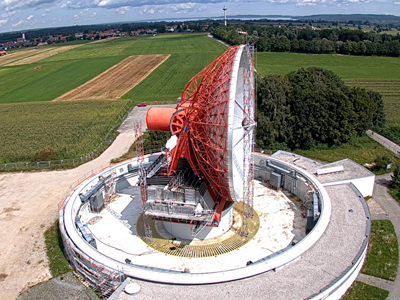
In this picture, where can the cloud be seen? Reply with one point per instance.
(80, 14)
(18, 23)
(183, 6)
(202, 8)
(122, 10)
(21, 22)
(3, 22)
(11, 5)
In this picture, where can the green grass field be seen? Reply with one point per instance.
(360, 149)
(345, 66)
(362, 291)
(383, 251)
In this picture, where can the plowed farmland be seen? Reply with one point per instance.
(117, 80)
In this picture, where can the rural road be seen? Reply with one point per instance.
(29, 204)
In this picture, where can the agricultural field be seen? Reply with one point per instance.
(381, 74)
(75, 128)
(168, 81)
(47, 81)
(42, 55)
(116, 81)
(18, 55)
(70, 129)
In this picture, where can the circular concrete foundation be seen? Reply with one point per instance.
(118, 247)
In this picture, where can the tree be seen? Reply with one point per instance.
(321, 111)
(364, 107)
(379, 119)
(273, 113)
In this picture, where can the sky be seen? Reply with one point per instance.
(19, 15)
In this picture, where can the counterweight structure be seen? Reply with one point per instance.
(207, 164)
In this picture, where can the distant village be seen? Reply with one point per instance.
(94, 35)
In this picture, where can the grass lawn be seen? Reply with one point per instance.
(58, 264)
(359, 149)
(383, 251)
(69, 128)
(109, 48)
(362, 291)
(175, 43)
(345, 66)
(395, 194)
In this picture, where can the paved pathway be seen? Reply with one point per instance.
(378, 282)
(385, 142)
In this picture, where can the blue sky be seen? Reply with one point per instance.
(18, 15)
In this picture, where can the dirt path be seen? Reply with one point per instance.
(42, 55)
(29, 205)
(116, 81)
(104, 40)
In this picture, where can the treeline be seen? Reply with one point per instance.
(313, 107)
(308, 40)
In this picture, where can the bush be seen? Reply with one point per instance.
(381, 162)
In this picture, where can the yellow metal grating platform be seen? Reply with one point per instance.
(217, 246)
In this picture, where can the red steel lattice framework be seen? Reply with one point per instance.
(206, 97)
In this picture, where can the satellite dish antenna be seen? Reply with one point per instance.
(213, 124)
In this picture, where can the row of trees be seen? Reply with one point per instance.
(313, 106)
(274, 38)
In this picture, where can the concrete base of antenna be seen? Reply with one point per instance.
(106, 247)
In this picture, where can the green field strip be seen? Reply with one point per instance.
(110, 48)
(345, 66)
(167, 82)
(26, 84)
(174, 44)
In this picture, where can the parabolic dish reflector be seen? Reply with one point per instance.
(220, 115)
